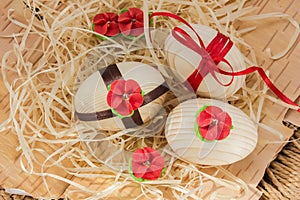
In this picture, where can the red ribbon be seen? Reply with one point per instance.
(212, 55)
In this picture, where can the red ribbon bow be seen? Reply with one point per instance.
(212, 55)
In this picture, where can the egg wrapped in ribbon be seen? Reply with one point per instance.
(210, 132)
(192, 62)
(120, 96)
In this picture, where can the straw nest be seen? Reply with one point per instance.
(41, 94)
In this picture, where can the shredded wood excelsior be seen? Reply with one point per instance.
(42, 83)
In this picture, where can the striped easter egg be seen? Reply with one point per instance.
(197, 133)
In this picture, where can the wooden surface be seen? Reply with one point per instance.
(11, 174)
(281, 180)
(284, 72)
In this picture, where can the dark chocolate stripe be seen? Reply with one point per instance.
(149, 97)
(154, 94)
(94, 116)
(110, 74)
(133, 121)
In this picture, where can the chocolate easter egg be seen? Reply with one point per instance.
(210, 132)
(186, 62)
(120, 96)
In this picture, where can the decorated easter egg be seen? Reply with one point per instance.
(120, 96)
(210, 132)
(190, 64)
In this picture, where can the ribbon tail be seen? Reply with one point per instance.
(196, 78)
(171, 15)
(266, 79)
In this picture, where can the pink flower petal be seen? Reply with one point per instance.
(131, 86)
(137, 28)
(100, 19)
(152, 175)
(109, 98)
(158, 163)
(112, 17)
(138, 169)
(224, 130)
(116, 100)
(203, 131)
(124, 108)
(101, 28)
(225, 118)
(113, 29)
(125, 17)
(136, 100)
(140, 16)
(202, 119)
(136, 31)
(213, 110)
(118, 87)
(205, 122)
(140, 156)
(211, 133)
(224, 125)
(125, 28)
(133, 12)
(152, 152)
(138, 24)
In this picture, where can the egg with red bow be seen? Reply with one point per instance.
(199, 62)
(120, 96)
(210, 132)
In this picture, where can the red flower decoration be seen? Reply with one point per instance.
(131, 22)
(213, 123)
(125, 96)
(106, 24)
(147, 164)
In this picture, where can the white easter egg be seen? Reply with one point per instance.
(185, 61)
(94, 94)
(182, 135)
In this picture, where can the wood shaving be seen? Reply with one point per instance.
(41, 93)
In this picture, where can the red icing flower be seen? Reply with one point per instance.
(214, 123)
(131, 22)
(147, 164)
(125, 96)
(106, 24)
